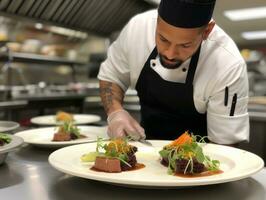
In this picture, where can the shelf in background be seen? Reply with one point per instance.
(36, 58)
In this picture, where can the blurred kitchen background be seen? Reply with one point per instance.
(51, 50)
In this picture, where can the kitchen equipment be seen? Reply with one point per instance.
(31, 46)
(146, 142)
(261, 100)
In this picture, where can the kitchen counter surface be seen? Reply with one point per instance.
(27, 175)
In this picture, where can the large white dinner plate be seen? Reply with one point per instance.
(44, 136)
(235, 163)
(79, 119)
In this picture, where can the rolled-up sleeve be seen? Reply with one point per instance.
(223, 128)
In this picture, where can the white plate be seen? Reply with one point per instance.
(8, 126)
(44, 136)
(79, 119)
(236, 164)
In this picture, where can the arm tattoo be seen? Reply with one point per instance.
(107, 96)
(110, 94)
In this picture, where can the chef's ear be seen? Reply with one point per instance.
(208, 29)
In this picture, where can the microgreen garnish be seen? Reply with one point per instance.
(186, 147)
(117, 148)
(70, 128)
(5, 138)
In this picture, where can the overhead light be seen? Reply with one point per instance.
(246, 14)
(254, 35)
(38, 26)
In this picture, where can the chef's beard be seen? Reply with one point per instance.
(174, 65)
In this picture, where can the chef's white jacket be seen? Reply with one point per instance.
(220, 64)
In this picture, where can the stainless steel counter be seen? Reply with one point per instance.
(27, 175)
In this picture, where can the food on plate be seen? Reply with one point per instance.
(66, 132)
(64, 117)
(185, 156)
(116, 156)
(4, 139)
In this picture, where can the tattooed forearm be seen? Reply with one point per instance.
(112, 96)
(106, 95)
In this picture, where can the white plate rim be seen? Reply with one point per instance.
(97, 130)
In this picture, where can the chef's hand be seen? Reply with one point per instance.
(120, 124)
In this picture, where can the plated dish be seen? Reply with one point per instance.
(67, 132)
(185, 157)
(62, 116)
(78, 119)
(4, 139)
(14, 142)
(115, 156)
(44, 136)
(235, 163)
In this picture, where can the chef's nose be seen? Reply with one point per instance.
(171, 52)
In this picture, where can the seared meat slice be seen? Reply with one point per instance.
(107, 164)
(61, 137)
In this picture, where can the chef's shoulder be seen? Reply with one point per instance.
(221, 63)
(222, 53)
(142, 25)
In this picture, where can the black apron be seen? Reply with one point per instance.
(167, 108)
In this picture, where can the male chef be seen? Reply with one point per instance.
(188, 73)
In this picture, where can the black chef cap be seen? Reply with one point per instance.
(186, 13)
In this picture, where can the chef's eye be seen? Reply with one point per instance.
(185, 45)
(163, 39)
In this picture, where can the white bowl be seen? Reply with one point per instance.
(15, 143)
(8, 126)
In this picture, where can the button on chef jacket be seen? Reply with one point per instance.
(220, 64)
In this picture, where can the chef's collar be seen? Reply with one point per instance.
(186, 13)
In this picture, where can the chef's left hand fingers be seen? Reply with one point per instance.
(136, 133)
(141, 132)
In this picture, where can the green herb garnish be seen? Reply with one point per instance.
(69, 128)
(6, 139)
(117, 148)
(189, 149)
